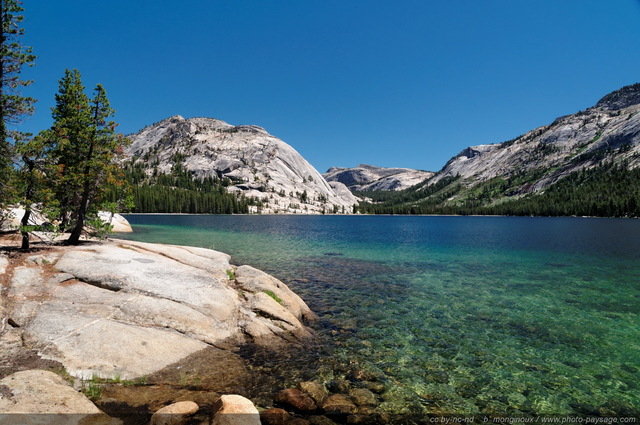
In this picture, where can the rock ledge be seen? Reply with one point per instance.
(123, 309)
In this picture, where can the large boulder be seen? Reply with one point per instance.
(13, 217)
(234, 409)
(122, 309)
(10, 219)
(119, 223)
(174, 414)
(44, 393)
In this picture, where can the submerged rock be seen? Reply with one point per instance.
(296, 399)
(320, 420)
(274, 416)
(360, 375)
(363, 397)
(174, 414)
(338, 386)
(376, 387)
(339, 404)
(316, 391)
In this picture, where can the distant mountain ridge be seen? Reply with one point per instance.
(368, 177)
(601, 143)
(255, 164)
(569, 144)
(620, 99)
(587, 163)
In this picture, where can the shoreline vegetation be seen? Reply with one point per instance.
(391, 215)
(606, 190)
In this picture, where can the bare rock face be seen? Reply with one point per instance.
(128, 309)
(608, 133)
(343, 192)
(47, 394)
(258, 164)
(611, 130)
(369, 177)
(620, 99)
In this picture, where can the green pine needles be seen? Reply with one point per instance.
(79, 155)
(13, 105)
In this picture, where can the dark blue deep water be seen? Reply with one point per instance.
(461, 315)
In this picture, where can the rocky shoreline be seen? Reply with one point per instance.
(137, 327)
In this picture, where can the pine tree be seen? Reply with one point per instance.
(99, 154)
(84, 148)
(13, 106)
(70, 130)
(32, 183)
(90, 154)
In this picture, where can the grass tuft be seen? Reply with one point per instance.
(274, 296)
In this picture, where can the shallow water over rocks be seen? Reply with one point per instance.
(449, 315)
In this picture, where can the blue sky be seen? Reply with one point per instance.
(402, 83)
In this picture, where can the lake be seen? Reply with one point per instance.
(461, 315)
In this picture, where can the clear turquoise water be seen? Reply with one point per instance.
(463, 315)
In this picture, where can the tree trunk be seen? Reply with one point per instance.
(28, 195)
(74, 239)
(3, 40)
(4, 143)
(25, 222)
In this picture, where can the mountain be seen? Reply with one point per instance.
(249, 162)
(368, 177)
(587, 163)
(568, 144)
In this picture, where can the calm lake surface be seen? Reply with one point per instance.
(462, 315)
